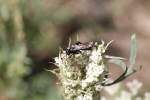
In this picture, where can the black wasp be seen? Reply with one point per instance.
(78, 46)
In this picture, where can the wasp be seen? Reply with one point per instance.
(78, 46)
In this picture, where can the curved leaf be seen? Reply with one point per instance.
(133, 50)
(118, 62)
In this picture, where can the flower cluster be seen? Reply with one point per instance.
(131, 92)
(81, 74)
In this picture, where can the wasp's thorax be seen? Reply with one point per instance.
(78, 46)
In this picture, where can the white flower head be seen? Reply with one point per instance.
(92, 74)
(138, 98)
(134, 86)
(103, 98)
(84, 97)
(111, 90)
(147, 96)
(124, 96)
(94, 70)
(81, 74)
(58, 60)
(98, 87)
(96, 56)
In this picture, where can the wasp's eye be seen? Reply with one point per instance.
(77, 43)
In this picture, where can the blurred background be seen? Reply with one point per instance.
(31, 32)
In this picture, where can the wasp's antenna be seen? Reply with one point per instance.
(69, 43)
(53, 63)
(77, 37)
(54, 71)
(108, 44)
(60, 50)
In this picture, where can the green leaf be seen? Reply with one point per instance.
(114, 57)
(118, 62)
(133, 50)
(121, 64)
(133, 70)
(133, 53)
(127, 70)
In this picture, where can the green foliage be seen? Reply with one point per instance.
(128, 70)
(133, 50)
(16, 79)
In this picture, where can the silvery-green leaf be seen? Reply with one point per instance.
(117, 80)
(114, 57)
(123, 66)
(133, 70)
(118, 62)
(133, 50)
